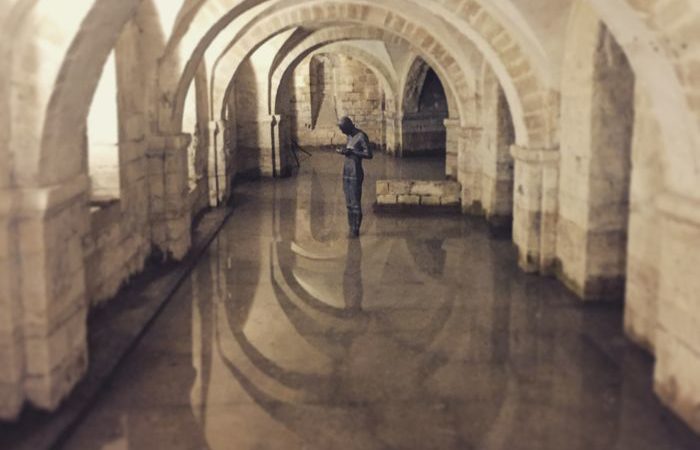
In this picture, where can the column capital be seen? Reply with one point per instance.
(161, 144)
(470, 132)
(534, 155)
(41, 201)
(268, 119)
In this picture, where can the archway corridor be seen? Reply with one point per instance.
(171, 211)
(423, 334)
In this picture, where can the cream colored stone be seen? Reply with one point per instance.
(409, 200)
(187, 113)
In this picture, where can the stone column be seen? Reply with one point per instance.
(469, 169)
(264, 144)
(452, 148)
(535, 207)
(280, 154)
(218, 164)
(393, 133)
(43, 306)
(11, 332)
(168, 180)
(677, 374)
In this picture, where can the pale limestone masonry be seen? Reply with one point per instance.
(579, 128)
(418, 193)
(327, 87)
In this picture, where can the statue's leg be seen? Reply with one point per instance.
(349, 184)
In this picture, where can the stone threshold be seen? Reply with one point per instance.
(113, 331)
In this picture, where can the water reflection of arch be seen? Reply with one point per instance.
(322, 405)
(350, 367)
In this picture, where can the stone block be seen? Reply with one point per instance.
(428, 188)
(429, 200)
(450, 200)
(400, 187)
(387, 199)
(409, 200)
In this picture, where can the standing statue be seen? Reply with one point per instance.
(356, 149)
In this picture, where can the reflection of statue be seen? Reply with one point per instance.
(352, 277)
(355, 151)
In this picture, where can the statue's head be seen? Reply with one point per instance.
(346, 125)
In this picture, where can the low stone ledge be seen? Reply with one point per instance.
(114, 330)
(416, 193)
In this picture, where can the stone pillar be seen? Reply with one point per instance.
(218, 164)
(535, 207)
(264, 144)
(11, 332)
(452, 148)
(43, 306)
(280, 155)
(393, 134)
(469, 169)
(677, 374)
(168, 180)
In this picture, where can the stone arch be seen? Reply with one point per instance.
(332, 84)
(76, 82)
(388, 101)
(49, 101)
(60, 58)
(420, 134)
(513, 52)
(656, 70)
(264, 27)
(378, 68)
(282, 71)
(596, 156)
(412, 83)
(322, 38)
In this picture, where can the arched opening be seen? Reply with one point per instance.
(596, 167)
(327, 86)
(424, 111)
(103, 139)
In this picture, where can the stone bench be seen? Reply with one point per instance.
(391, 193)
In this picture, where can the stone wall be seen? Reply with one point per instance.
(424, 135)
(566, 212)
(418, 193)
(327, 87)
(113, 253)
